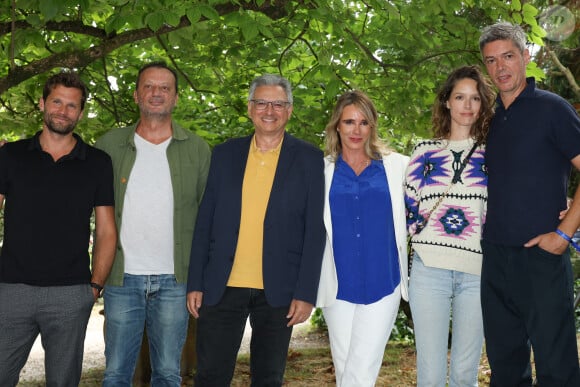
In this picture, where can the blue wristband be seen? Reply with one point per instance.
(568, 239)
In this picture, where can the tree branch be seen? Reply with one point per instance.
(75, 26)
(275, 9)
(179, 70)
(12, 28)
(566, 71)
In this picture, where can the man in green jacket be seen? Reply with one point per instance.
(160, 171)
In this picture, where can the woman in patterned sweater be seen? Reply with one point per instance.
(445, 221)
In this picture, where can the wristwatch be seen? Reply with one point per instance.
(99, 288)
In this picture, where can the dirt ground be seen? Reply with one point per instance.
(94, 356)
(303, 337)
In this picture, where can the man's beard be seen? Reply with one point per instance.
(152, 114)
(155, 115)
(62, 129)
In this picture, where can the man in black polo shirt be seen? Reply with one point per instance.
(49, 185)
(526, 280)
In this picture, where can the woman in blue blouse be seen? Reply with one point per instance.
(364, 269)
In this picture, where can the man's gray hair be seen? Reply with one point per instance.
(271, 80)
(503, 31)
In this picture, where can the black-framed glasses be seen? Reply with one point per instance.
(262, 104)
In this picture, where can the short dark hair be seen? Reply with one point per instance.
(66, 79)
(159, 65)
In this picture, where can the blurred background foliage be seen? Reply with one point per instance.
(397, 51)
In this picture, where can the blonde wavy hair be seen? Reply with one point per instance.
(375, 148)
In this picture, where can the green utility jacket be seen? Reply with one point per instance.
(189, 158)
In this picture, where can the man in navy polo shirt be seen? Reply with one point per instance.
(526, 280)
(50, 184)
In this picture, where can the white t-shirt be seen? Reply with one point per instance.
(147, 226)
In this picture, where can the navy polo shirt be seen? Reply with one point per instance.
(47, 211)
(528, 153)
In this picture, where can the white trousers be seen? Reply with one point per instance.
(358, 335)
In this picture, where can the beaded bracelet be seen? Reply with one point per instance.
(568, 239)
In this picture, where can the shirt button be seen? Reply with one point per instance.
(358, 235)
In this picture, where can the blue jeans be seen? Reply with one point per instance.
(158, 303)
(435, 295)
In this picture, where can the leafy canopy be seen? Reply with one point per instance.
(397, 51)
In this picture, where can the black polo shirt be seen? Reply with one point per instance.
(528, 153)
(47, 211)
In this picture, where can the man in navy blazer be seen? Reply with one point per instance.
(258, 242)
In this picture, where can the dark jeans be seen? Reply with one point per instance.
(219, 333)
(527, 300)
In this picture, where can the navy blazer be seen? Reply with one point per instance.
(294, 235)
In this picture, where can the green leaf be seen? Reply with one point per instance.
(83, 4)
(50, 8)
(516, 5)
(115, 23)
(530, 20)
(532, 70)
(155, 20)
(34, 20)
(172, 18)
(539, 31)
(265, 30)
(536, 40)
(249, 30)
(193, 14)
(529, 10)
(333, 87)
(208, 12)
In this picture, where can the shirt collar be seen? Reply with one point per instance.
(528, 91)
(373, 162)
(178, 133)
(79, 151)
(254, 146)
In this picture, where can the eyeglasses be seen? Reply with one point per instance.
(278, 106)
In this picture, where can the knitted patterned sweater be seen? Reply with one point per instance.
(451, 238)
